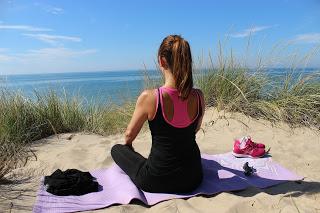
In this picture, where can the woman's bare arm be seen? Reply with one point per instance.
(140, 115)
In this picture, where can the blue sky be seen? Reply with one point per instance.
(68, 36)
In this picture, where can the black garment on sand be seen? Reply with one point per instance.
(70, 182)
(174, 163)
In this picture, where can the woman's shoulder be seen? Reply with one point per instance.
(147, 101)
(148, 92)
(148, 95)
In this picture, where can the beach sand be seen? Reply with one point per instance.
(297, 150)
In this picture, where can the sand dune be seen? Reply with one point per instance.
(297, 150)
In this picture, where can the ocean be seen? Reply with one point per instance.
(101, 87)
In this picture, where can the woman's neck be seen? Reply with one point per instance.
(173, 86)
(169, 80)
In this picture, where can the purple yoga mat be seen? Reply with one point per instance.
(222, 172)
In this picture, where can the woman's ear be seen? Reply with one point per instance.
(163, 62)
(159, 61)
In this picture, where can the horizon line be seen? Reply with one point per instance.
(126, 70)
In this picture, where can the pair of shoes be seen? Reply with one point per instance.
(245, 147)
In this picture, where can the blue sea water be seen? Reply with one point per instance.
(114, 86)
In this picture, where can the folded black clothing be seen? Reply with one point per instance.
(70, 182)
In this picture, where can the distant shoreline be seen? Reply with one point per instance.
(141, 70)
(101, 85)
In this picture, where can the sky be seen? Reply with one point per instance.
(49, 36)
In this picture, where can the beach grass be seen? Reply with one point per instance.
(23, 121)
(293, 98)
(295, 101)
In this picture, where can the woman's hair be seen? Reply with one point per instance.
(177, 53)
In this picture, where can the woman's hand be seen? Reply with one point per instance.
(128, 145)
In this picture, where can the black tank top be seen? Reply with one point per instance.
(173, 149)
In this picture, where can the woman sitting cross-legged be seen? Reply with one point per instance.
(174, 112)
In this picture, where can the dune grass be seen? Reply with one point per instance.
(23, 121)
(295, 101)
(293, 98)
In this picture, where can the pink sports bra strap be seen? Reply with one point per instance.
(180, 116)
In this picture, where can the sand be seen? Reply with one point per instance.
(296, 149)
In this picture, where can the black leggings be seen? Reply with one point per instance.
(135, 166)
(128, 160)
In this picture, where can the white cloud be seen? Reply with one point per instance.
(49, 8)
(23, 28)
(57, 59)
(307, 38)
(54, 10)
(53, 54)
(250, 31)
(53, 39)
(45, 54)
(5, 58)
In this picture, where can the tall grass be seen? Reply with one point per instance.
(296, 102)
(23, 121)
(109, 119)
(293, 97)
(12, 155)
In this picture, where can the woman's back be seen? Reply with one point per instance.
(173, 134)
(178, 113)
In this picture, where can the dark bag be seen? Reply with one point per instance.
(70, 182)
